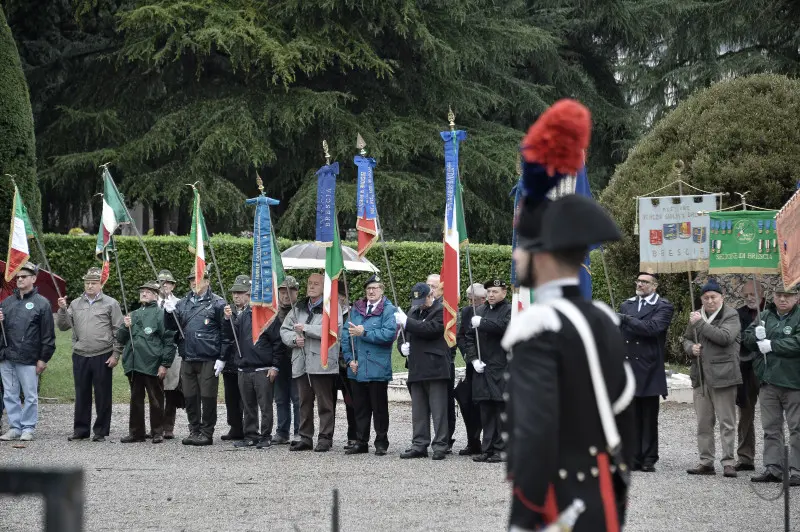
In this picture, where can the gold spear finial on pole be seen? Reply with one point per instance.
(104, 165)
(327, 153)
(451, 118)
(259, 183)
(361, 144)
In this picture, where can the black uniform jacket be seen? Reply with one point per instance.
(430, 355)
(557, 447)
(491, 384)
(645, 333)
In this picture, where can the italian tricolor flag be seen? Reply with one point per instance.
(114, 214)
(21, 231)
(455, 234)
(334, 264)
(198, 237)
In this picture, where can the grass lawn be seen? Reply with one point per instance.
(57, 381)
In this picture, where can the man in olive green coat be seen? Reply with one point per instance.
(775, 338)
(149, 352)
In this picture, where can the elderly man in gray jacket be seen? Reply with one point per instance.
(712, 340)
(302, 332)
(94, 319)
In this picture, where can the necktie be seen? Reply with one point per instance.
(369, 309)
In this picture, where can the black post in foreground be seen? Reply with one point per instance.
(62, 491)
(786, 471)
(335, 516)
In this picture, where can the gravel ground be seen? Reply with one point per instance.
(173, 487)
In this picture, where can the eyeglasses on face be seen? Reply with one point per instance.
(643, 281)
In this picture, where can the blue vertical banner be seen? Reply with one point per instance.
(582, 188)
(261, 290)
(366, 212)
(517, 193)
(326, 204)
(451, 140)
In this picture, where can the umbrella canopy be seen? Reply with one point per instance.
(44, 282)
(311, 256)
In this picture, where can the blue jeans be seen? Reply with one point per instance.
(286, 391)
(18, 377)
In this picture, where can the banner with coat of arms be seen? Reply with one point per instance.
(674, 232)
(743, 242)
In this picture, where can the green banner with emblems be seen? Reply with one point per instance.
(743, 242)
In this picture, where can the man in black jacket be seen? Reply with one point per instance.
(204, 349)
(30, 343)
(470, 412)
(489, 384)
(234, 408)
(257, 365)
(747, 394)
(428, 372)
(644, 320)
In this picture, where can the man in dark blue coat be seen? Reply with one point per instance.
(644, 320)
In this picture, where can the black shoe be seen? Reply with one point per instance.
(245, 443)
(202, 440)
(131, 439)
(439, 455)
(483, 457)
(648, 469)
(280, 440)
(702, 470)
(148, 435)
(359, 448)
(350, 445)
(413, 453)
(495, 459)
(231, 436)
(300, 446)
(380, 451)
(766, 476)
(98, 438)
(169, 435)
(636, 467)
(77, 437)
(322, 447)
(794, 480)
(469, 451)
(158, 438)
(190, 439)
(744, 467)
(263, 443)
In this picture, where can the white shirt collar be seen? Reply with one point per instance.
(553, 289)
(651, 299)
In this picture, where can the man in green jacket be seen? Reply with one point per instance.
(775, 336)
(149, 351)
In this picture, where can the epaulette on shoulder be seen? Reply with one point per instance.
(632, 298)
(532, 321)
(610, 313)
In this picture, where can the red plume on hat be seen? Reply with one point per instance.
(554, 147)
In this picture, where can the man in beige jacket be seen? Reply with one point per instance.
(712, 340)
(94, 319)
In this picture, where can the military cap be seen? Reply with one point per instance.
(419, 293)
(31, 267)
(289, 282)
(495, 283)
(373, 279)
(241, 284)
(93, 274)
(206, 273)
(165, 276)
(155, 286)
(783, 289)
(711, 286)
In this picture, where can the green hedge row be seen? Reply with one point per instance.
(411, 262)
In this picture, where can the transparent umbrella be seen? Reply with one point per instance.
(311, 256)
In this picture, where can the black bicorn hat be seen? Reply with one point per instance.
(571, 222)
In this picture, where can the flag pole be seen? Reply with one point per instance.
(122, 291)
(347, 297)
(133, 224)
(451, 117)
(221, 286)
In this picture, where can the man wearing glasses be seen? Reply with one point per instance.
(30, 343)
(775, 337)
(644, 320)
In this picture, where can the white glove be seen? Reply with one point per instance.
(219, 365)
(478, 365)
(405, 349)
(761, 332)
(401, 318)
(169, 305)
(476, 322)
(765, 346)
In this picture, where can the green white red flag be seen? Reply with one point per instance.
(198, 237)
(21, 230)
(114, 214)
(334, 264)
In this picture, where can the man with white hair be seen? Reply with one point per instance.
(476, 295)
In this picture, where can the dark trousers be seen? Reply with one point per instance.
(320, 388)
(747, 397)
(256, 392)
(200, 388)
(346, 385)
(371, 403)
(492, 425)
(645, 449)
(451, 405)
(470, 411)
(92, 373)
(429, 401)
(173, 400)
(141, 383)
(233, 403)
(287, 403)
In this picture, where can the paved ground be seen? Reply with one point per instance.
(172, 487)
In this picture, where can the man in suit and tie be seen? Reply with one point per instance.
(644, 320)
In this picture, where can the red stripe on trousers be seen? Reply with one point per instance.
(607, 493)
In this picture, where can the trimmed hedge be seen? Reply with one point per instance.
(411, 262)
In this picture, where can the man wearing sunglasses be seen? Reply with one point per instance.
(644, 320)
(29, 344)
